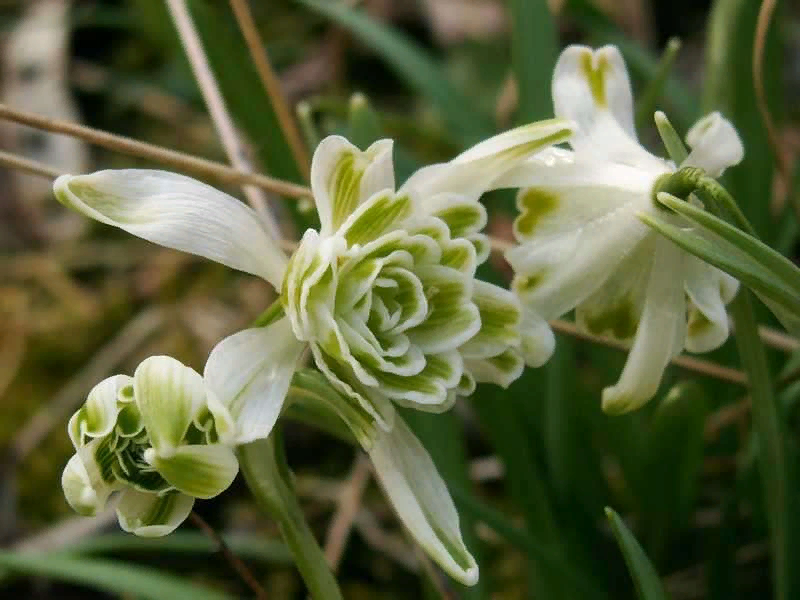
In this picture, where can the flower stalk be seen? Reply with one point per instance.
(264, 467)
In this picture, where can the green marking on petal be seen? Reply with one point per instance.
(344, 187)
(506, 362)
(698, 323)
(595, 76)
(534, 204)
(199, 471)
(463, 218)
(379, 215)
(525, 284)
(620, 320)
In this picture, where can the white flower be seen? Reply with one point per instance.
(384, 294)
(152, 438)
(582, 246)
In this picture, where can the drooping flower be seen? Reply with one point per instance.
(384, 294)
(582, 246)
(151, 438)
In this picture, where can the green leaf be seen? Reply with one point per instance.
(752, 262)
(242, 88)
(645, 578)
(729, 89)
(249, 547)
(468, 124)
(650, 96)
(534, 44)
(107, 575)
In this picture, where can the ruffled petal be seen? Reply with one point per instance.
(87, 480)
(342, 177)
(660, 336)
(709, 290)
(249, 374)
(421, 500)
(151, 515)
(177, 212)
(98, 415)
(592, 88)
(715, 145)
(501, 316)
(502, 369)
(473, 172)
(200, 471)
(169, 395)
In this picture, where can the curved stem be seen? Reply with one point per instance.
(267, 475)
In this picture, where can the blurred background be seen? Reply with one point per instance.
(530, 468)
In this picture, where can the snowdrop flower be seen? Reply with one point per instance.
(581, 245)
(384, 294)
(151, 438)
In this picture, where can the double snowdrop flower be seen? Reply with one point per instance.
(152, 438)
(582, 246)
(384, 295)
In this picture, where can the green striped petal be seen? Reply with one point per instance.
(151, 515)
(503, 369)
(87, 480)
(169, 396)
(501, 316)
(98, 415)
(200, 471)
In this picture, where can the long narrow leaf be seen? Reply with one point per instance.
(107, 575)
(645, 578)
(468, 124)
(754, 264)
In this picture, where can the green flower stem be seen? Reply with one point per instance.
(271, 314)
(770, 436)
(267, 475)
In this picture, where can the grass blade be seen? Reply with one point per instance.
(108, 575)
(468, 124)
(647, 582)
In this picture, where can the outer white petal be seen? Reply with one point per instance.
(584, 226)
(709, 289)
(98, 415)
(421, 499)
(592, 88)
(177, 212)
(169, 396)
(661, 334)
(715, 145)
(83, 484)
(201, 471)
(249, 374)
(150, 515)
(472, 173)
(342, 177)
(537, 341)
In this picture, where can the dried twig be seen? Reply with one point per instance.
(762, 28)
(347, 508)
(220, 116)
(271, 83)
(234, 561)
(689, 363)
(171, 158)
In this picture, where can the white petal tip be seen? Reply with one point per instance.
(617, 403)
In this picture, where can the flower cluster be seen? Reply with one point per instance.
(384, 297)
(583, 247)
(152, 438)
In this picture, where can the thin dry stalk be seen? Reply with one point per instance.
(234, 561)
(271, 83)
(220, 117)
(171, 158)
(762, 28)
(31, 167)
(689, 363)
(347, 508)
